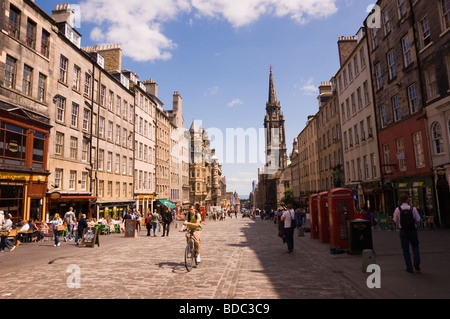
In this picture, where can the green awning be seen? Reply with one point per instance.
(167, 203)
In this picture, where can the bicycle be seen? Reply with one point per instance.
(190, 257)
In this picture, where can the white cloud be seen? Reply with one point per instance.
(240, 13)
(235, 102)
(137, 24)
(309, 88)
(212, 91)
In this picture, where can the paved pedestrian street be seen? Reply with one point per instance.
(241, 259)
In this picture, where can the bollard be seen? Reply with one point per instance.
(301, 232)
(368, 258)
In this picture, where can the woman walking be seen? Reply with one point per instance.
(57, 221)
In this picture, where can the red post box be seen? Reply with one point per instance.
(341, 208)
(313, 216)
(324, 219)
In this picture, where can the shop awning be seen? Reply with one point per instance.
(167, 203)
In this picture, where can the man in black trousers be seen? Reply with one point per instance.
(167, 220)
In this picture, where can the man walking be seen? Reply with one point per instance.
(167, 220)
(407, 219)
(70, 219)
(288, 218)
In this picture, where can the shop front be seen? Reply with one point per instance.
(60, 202)
(22, 195)
(114, 210)
(370, 193)
(160, 204)
(144, 204)
(421, 194)
(23, 162)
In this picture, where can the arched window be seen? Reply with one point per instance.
(437, 138)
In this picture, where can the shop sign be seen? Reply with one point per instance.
(15, 176)
(145, 196)
(55, 196)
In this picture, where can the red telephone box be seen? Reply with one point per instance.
(202, 211)
(341, 208)
(324, 220)
(313, 216)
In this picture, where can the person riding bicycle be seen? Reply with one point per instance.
(193, 222)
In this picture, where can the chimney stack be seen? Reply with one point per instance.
(151, 87)
(346, 46)
(177, 102)
(63, 13)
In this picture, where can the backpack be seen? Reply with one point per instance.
(293, 220)
(407, 219)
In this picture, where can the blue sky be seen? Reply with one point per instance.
(217, 54)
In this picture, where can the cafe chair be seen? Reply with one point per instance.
(12, 237)
(104, 230)
(48, 233)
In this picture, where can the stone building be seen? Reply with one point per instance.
(295, 171)
(179, 153)
(360, 143)
(309, 177)
(80, 131)
(399, 105)
(25, 100)
(329, 148)
(432, 41)
(144, 139)
(163, 143)
(207, 185)
(216, 178)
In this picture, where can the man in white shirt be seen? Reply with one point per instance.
(71, 221)
(287, 217)
(408, 232)
(25, 227)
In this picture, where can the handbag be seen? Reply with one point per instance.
(60, 227)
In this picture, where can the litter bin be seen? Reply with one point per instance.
(360, 235)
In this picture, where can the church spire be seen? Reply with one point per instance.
(272, 91)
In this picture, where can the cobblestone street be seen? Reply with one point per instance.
(242, 259)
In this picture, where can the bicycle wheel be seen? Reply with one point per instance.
(189, 256)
